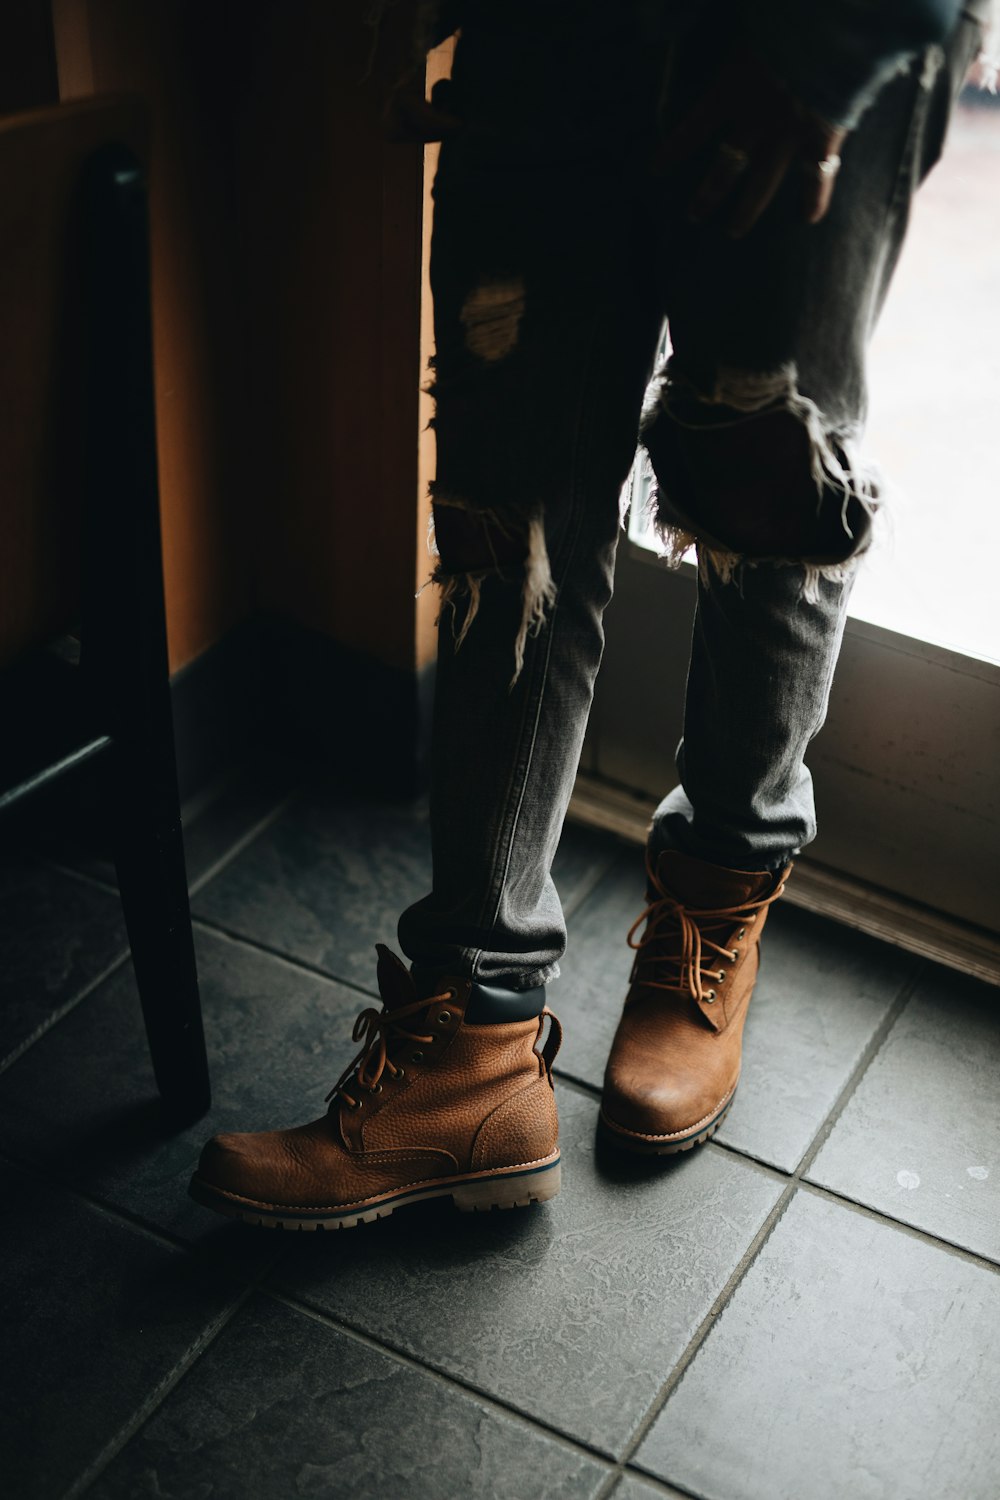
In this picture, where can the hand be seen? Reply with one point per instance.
(760, 133)
(411, 117)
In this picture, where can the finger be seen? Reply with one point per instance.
(729, 164)
(820, 182)
(819, 155)
(699, 126)
(409, 120)
(762, 182)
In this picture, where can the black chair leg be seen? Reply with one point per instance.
(149, 857)
(124, 629)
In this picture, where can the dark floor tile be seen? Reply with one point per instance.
(281, 1405)
(853, 1360)
(96, 1315)
(232, 810)
(82, 1102)
(57, 934)
(331, 876)
(822, 992)
(920, 1137)
(573, 1312)
(213, 822)
(583, 856)
(326, 881)
(588, 996)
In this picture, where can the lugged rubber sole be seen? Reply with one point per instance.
(647, 1145)
(513, 1187)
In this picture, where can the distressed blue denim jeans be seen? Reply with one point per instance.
(558, 251)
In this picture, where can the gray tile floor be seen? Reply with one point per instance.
(807, 1307)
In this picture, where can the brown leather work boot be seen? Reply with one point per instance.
(433, 1106)
(675, 1059)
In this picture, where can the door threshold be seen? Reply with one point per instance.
(817, 888)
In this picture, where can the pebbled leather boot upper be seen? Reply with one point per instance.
(431, 1106)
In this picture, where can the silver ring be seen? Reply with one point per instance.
(734, 156)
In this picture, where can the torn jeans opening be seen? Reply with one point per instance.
(538, 589)
(753, 472)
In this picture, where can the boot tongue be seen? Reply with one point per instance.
(394, 982)
(696, 883)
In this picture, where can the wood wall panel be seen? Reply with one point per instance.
(287, 264)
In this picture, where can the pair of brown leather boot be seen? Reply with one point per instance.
(440, 1103)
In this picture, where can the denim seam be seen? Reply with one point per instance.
(900, 198)
(523, 768)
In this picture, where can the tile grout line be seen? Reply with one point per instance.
(570, 910)
(88, 878)
(238, 846)
(83, 877)
(218, 928)
(303, 966)
(949, 1247)
(164, 1239)
(574, 1444)
(667, 1487)
(773, 1218)
(912, 1231)
(890, 1221)
(721, 1302)
(575, 1085)
(209, 1335)
(454, 1382)
(58, 1015)
(156, 1397)
(876, 1042)
(95, 882)
(769, 1169)
(129, 1219)
(255, 1285)
(792, 1181)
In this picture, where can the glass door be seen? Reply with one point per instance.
(907, 769)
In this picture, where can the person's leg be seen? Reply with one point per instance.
(753, 433)
(546, 320)
(792, 309)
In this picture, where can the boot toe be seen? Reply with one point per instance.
(655, 1109)
(651, 1109)
(234, 1164)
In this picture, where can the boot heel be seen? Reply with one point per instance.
(508, 1192)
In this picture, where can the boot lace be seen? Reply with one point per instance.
(679, 951)
(378, 1031)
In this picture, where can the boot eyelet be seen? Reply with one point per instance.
(377, 1089)
(444, 1018)
(416, 1057)
(721, 975)
(734, 955)
(742, 933)
(400, 1072)
(710, 997)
